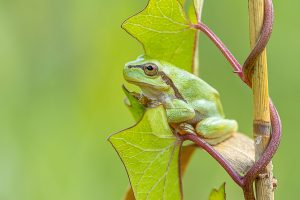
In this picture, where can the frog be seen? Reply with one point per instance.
(191, 104)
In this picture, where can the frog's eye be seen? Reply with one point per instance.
(150, 69)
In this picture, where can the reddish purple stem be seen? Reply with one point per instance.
(245, 74)
(262, 41)
(222, 47)
(209, 149)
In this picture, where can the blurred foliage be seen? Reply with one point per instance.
(60, 87)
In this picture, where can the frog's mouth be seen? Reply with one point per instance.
(143, 85)
(138, 83)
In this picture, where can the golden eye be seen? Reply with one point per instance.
(150, 69)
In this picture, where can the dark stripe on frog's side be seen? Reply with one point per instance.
(169, 82)
(198, 117)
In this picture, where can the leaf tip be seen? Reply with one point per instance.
(218, 194)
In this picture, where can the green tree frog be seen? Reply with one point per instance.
(191, 104)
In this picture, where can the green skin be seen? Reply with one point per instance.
(191, 104)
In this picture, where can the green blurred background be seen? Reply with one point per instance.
(60, 96)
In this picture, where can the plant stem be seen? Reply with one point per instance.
(248, 192)
(200, 142)
(261, 110)
(221, 46)
(246, 75)
(198, 8)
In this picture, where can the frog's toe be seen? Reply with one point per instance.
(187, 128)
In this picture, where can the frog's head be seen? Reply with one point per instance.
(147, 74)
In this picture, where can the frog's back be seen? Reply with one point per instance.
(192, 88)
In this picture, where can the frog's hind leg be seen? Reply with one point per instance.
(216, 129)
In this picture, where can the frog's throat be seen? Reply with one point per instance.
(169, 82)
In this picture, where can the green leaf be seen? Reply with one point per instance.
(150, 153)
(218, 194)
(135, 107)
(185, 157)
(189, 8)
(165, 32)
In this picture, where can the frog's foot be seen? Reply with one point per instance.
(138, 96)
(183, 128)
(216, 129)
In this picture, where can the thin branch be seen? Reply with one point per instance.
(221, 46)
(216, 155)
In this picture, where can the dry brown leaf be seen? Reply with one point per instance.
(238, 151)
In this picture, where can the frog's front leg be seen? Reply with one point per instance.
(178, 111)
(216, 129)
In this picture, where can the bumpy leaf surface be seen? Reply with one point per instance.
(165, 32)
(150, 153)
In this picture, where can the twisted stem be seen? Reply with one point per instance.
(245, 74)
